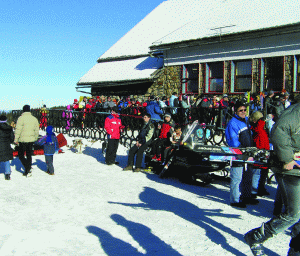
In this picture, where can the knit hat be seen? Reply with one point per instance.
(75, 100)
(26, 108)
(49, 131)
(239, 104)
(256, 116)
(225, 96)
(167, 115)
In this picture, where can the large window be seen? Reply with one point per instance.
(216, 76)
(274, 73)
(243, 76)
(190, 78)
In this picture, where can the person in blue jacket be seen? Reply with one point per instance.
(238, 134)
(154, 109)
(50, 144)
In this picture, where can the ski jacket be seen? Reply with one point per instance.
(238, 132)
(285, 134)
(154, 110)
(27, 128)
(6, 138)
(112, 126)
(146, 133)
(260, 135)
(49, 147)
(166, 128)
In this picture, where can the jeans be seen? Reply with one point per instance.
(240, 183)
(6, 166)
(49, 163)
(255, 181)
(290, 193)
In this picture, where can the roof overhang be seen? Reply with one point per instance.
(125, 71)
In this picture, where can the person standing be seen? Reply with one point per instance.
(285, 137)
(238, 134)
(144, 139)
(27, 132)
(6, 152)
(51, 146)
(112, 127)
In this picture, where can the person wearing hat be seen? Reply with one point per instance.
(238, 134)
(51, 146)
(6, 152)
(27, 132)
(112, 127)
(166, 130)
(261, 141)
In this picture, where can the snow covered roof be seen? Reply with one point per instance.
(220, 17)
(180, 20)
(122, 70)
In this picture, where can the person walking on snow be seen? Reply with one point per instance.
(6, 152)
(51, 146)
(112, 127)
(27, 132)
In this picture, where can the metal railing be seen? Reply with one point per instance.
(90, 125)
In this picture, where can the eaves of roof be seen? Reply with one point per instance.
(263, 32)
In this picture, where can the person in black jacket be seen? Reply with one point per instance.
(143, 141)
(6, 152)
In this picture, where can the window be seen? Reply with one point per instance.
(243, 76)
(298, 74)
(190, 78)
(274, 73)
(216, 76)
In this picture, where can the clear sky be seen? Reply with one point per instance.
(46, 46)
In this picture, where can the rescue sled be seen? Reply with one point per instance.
(38, 150)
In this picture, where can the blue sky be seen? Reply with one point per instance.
(47, 46)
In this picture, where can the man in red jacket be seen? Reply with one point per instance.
(112, 126)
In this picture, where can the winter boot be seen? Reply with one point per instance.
(255, 237)
(128, 168)
(7, 176)
(294, 246)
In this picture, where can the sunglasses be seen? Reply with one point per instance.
(242, 110)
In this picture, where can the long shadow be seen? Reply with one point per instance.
(143, 235)
(212, 193)
(155, 200)
(18, 165)
(41, 165)
(111, 245)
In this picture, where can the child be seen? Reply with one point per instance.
(176, 141)
(50, 147)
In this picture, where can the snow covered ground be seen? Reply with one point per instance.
(88, 208)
